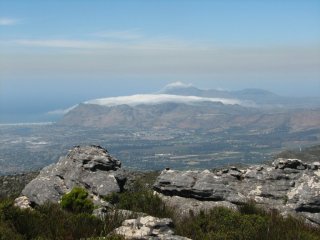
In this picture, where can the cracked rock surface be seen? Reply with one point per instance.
(289, 185)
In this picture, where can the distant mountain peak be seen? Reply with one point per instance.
(180, 88)
(176, 85)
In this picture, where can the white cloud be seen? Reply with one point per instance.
(8, 21)
(152, 99)
(61, 111)
(131, 34)
(63, 43)
(147, 45)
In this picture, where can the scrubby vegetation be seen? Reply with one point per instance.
(140, 199)
(52, 221)
(249, 223)
(77, 201)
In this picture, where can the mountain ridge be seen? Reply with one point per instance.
(187, 93)
(174, 107)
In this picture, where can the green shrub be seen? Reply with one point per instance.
(77, 201)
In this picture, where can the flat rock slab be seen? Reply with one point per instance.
(289, 185)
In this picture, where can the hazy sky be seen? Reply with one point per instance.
(54, 54)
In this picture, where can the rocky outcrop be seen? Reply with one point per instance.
(148, 228)
(289, 185)
(90, 167)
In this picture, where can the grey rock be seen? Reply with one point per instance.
(282, 163)
(22, 202)
(185, 206)
(90, 167)
(148, 228)
(203, 185)
(315, 166)
(289, 185)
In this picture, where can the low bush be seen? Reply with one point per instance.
(249, 223)
(77, 201)
(140, 199)
(48, 221)
(144, 201)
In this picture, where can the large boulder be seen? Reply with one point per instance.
(289, 185)
(90, 167)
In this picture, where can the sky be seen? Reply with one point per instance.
(54, 54)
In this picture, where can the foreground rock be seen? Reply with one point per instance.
(90, 167)
(289, 185)
(147, 228)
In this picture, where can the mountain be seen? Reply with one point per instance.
(186, 107)
(164, 115)
(183, 116)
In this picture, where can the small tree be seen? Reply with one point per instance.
(77, 201)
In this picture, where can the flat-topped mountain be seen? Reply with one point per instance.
(197, 116)
(187, 107)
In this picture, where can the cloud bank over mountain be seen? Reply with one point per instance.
(156, 98)
(152, 99)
